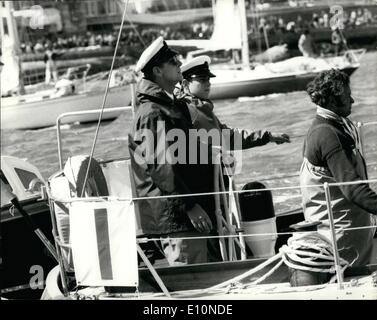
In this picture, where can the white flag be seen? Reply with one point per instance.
(103, 240)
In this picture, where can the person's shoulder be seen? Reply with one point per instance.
(149, 109)
(322, 131)
(324, 138)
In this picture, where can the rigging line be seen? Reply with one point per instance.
(104, 99)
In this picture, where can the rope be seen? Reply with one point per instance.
(310, 253)
(295, 255)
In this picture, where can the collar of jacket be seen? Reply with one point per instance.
(333, 123)
(149, 91)
(197, 102)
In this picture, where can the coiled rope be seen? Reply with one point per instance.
(304, 251)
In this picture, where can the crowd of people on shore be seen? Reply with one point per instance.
(351, 19)
(273, 25)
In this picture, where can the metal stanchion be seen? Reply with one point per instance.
(338, 269)
(133, 99)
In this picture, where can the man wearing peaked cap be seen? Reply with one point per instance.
(195, 90)
(157, 114)
(197, 67)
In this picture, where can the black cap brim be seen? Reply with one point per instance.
(198, 71)
(202, 74)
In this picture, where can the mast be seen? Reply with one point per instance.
(244, 35)
(7, 12)
(256, 25)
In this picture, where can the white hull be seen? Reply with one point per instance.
(356, 288)
(44, 112)
(285, 76)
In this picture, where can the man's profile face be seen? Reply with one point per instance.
(200, 87)
(171, 70)
(346, 101)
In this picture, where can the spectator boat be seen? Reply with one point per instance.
(285, 76)
(40, 109)
(237, 80)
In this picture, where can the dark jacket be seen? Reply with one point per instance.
(167, 215)
(203, 117)
(331, 155)
(328, 145)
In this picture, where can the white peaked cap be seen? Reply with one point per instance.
(157, 51)
(198, 66)
(197, 61)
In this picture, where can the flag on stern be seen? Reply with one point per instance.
(103, 240)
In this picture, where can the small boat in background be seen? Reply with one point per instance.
(284, 76)
(41, 109)
(73, 92)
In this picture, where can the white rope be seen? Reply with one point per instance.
(261, 279)
(297, 256)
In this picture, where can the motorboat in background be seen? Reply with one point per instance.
(238, 80)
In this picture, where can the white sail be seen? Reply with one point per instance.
(10, 73)
(226, 29)
(227, 26)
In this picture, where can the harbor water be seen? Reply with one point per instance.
(274, 165)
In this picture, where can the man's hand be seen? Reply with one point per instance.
(279, 138)
(199, 219)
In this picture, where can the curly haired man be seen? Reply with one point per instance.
(331, 154)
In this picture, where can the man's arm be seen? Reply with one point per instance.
(245, 139)
(343, 170)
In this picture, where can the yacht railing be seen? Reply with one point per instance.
(78, 113)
